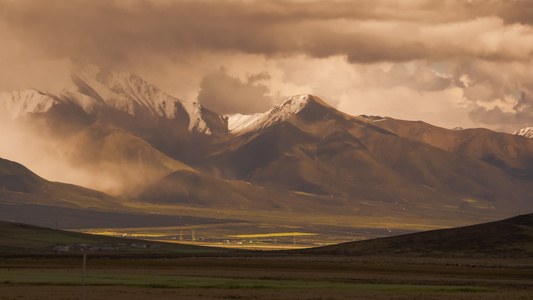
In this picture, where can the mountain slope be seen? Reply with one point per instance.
(197, 189)
(25, 197)
(319, 150)
(511, 153)
(117, 161)
(18, 185)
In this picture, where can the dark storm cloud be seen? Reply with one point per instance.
(227, 95)
(364, 31)
(515, 11)
(180, 42)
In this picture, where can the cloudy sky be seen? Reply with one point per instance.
(448, 62)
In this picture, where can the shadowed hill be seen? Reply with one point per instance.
(25, 197)
(507, 238)
(19, 185)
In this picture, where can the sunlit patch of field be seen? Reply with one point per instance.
(115, 233)
(241, 245)
(280, 234)
(233, 235)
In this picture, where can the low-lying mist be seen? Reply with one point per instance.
(81, 160)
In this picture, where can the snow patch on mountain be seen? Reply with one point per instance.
(129, 93)
(379, 119)
(27, 101)
(196, 119)
(527, 132)
(239, 124)
(94, 88)
(124, 91)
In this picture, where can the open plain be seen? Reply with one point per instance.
(263, 276)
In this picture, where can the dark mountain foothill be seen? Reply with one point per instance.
(509, 238)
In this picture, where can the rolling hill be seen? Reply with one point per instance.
(509, 238)
(19, 185)
(27, 198)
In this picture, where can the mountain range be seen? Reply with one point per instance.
(117, 133)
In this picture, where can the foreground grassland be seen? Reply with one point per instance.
(263, 277)
(66, 278)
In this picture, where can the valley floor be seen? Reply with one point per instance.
(268, 230)
(265, 277)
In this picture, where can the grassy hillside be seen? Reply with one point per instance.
(507, 238)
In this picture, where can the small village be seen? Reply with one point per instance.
(102, 248)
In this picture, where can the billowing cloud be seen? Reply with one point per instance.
(470, 59)
(418, 77)
(118, 32)
(227, 95)
(501, 93)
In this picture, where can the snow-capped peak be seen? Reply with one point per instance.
(129, 93)
(239, 124)
(94, 88)
(22, 102)
(122, 90)
(527, 132)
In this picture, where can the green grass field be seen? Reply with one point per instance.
(72, 278)
(56, 238)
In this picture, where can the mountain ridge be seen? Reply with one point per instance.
(303, 152)
(526, 131)
(93, 88)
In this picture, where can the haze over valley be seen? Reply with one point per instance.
(151, 153)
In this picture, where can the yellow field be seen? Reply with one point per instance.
(271, 235)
